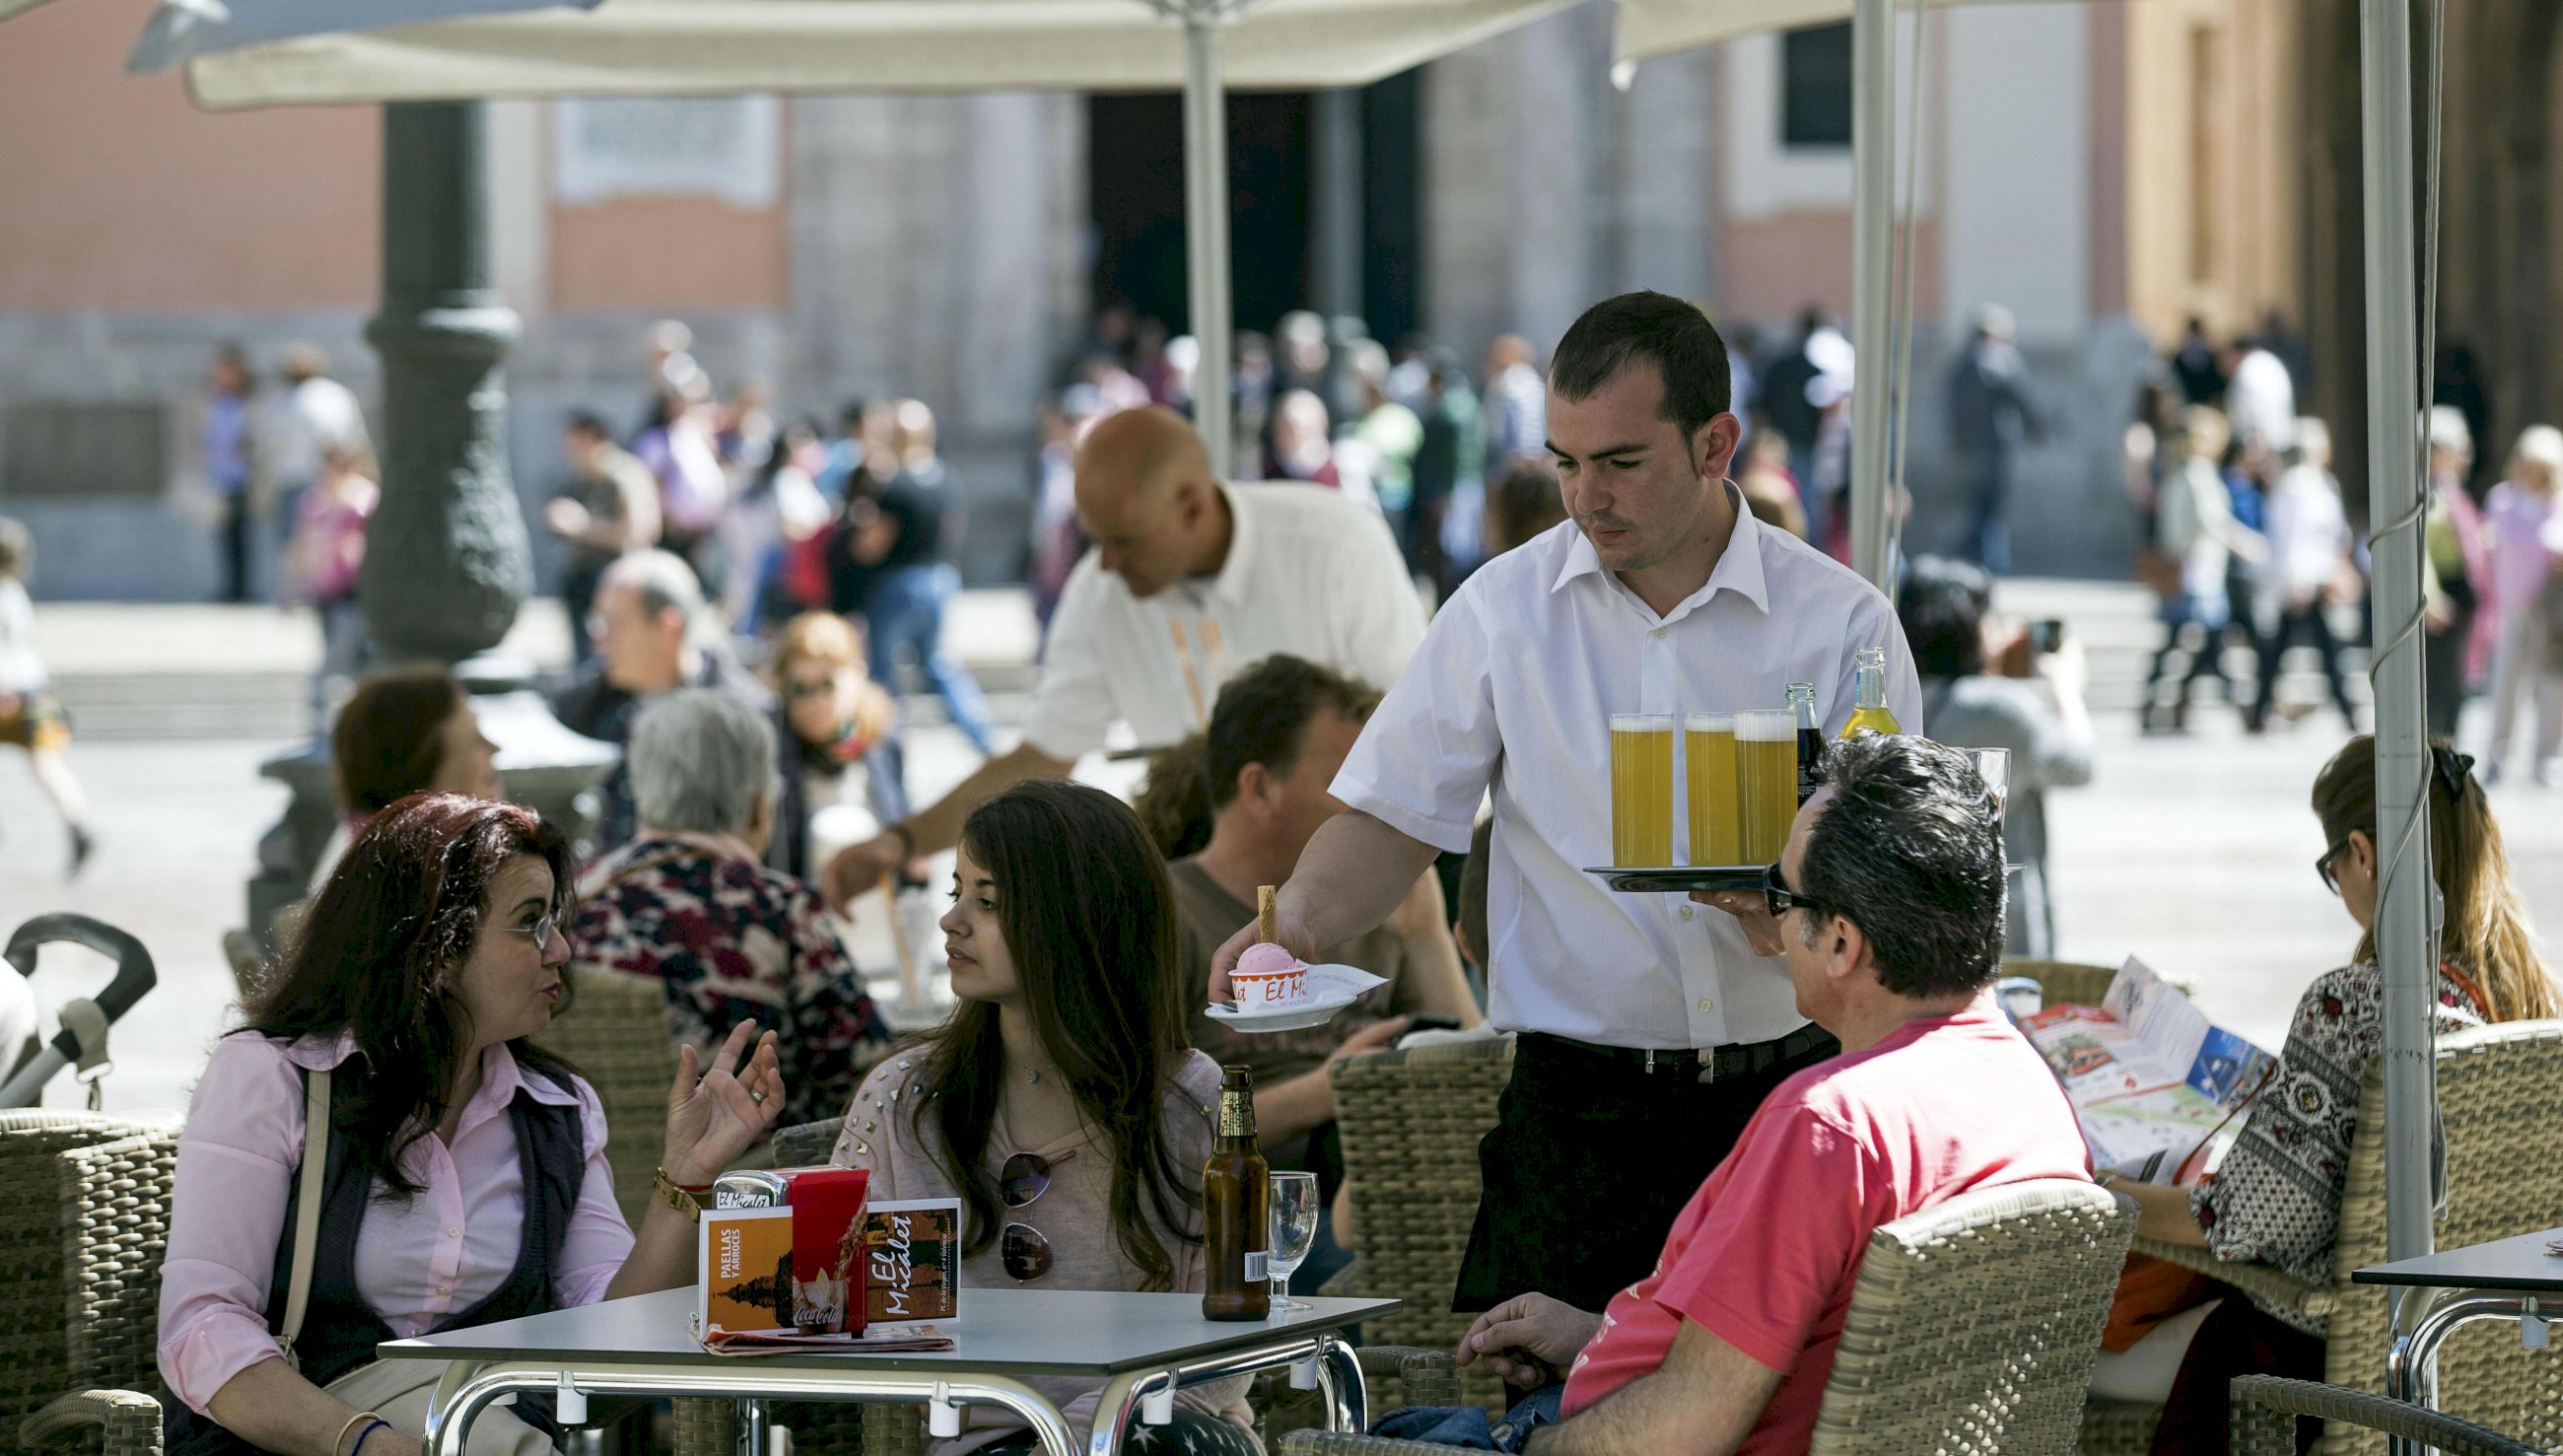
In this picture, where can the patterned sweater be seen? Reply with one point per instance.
(2276, 1198)
(734, 941)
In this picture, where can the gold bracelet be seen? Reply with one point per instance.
(353, 1422)
(678, 1196)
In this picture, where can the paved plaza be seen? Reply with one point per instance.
(2194, 852)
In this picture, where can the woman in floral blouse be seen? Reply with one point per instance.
(2276, 1198)
(692, 903)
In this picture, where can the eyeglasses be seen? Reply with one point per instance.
(1020, 1248)
(796, 692)
(1780, 899)
(540, 932)
(2322, 866)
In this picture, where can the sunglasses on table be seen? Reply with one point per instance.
(1020, 1248)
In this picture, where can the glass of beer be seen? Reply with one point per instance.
(1766, 752)
(1716, 806)
(1642, 789)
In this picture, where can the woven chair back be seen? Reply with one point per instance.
(1410, 1122)
(81, 1247)
(2498, 1098)
(616, 1034)
(1974, 1323)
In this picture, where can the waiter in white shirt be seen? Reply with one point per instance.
(1190, 581)
(1649, 1030)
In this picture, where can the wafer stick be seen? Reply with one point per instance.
(1267, 915)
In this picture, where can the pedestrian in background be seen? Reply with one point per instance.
(1517, 404)
(907, 546)
(30, 716)
(1991, 420)
(2459, 568)
(2526, 529)
(321, 562)
(610, 506)
(313, 414)
(231, 466)
(2195, 527)
(2307, 571)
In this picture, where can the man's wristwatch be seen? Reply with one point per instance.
(688, 1199)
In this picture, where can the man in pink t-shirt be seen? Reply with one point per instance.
(1891, 947)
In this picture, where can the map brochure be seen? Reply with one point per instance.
(2150, 1078)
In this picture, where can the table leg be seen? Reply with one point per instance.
(440, 1406)
(1115, 1408)
(1339, 1375)
(752, 1439)
(2411, 1371)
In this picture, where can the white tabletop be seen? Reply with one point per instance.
(1001, 1332)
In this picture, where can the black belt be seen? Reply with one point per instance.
(1701, 1064)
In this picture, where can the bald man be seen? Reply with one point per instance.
(1190, 581)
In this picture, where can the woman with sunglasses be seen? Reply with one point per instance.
(1060, 1101)
(2276, 1198)
(461, 1171)
(842, 729)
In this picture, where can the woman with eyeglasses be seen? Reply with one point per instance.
(1060, 1101)
(461, 1171)
(2276, 1198)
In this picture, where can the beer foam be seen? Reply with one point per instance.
(1766, 728)
(1709, 722)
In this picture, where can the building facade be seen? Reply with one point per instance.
(2103, 171)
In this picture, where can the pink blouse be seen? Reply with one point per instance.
(417, 1260)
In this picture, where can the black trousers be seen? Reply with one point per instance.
(2308, 622)
(2237, 1339)
(1590, 1162)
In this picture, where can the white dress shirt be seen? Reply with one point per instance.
(1309, 572)
(1514, 689)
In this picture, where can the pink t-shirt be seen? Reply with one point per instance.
(1765, 1255)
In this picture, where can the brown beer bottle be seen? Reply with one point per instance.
(1236, 1209)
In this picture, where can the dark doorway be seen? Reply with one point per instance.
(1135, 172)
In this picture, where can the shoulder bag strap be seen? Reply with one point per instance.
(307, 1214)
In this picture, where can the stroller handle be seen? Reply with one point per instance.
(134, 973)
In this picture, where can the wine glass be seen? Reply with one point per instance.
(1294, 1228)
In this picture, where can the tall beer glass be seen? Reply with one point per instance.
(1766, 747)
(1642, 789)
(1716, 806)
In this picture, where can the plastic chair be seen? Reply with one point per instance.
(1941, 1352)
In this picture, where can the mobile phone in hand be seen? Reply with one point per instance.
(2046, 634)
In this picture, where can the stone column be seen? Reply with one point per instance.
(446, 560)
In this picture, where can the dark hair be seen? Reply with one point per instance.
(378, 956)
(1263, 713)
(588, 422)
(1522, 503)
(1088, 918)
(1942, 606)
(387, 743)
(1907, 849)
(1173, 803)
(1669, 333)
(2486, 929)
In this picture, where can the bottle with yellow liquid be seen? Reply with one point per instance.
(1868, 712)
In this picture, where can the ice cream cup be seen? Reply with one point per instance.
(1271, 990)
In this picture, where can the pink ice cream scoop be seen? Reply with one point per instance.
(1268, 977)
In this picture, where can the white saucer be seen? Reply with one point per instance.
(1331, 988)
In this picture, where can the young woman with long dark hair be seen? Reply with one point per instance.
(465, 1177)
(1059, 1102)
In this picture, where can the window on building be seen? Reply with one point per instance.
(1815, 87)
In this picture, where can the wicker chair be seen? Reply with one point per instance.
(2504, 1177)
(2267, 1409)
(80, 1281)
(2078, 983)
(616, 1034)
(1940, 1352)
(1410, 1122)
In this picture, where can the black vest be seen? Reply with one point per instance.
(340, 1331)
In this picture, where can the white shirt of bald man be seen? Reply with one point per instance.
(1514, 690)
(1309, 572)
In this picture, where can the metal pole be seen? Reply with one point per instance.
(2395, 490)
(1335, 203)
(1206, 257)
(1872, 227)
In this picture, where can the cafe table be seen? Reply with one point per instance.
(2517, 1279)
(1139, 1347)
